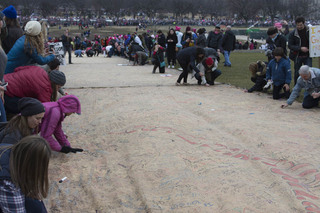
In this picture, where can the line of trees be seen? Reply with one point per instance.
(242, 9)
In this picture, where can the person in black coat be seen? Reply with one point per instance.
(188, 57)
(275, 39)
(214, 39)
(161, 39)
(228, 45)
(298, 43)
(12, 31)
(171, 47)
(201, 40)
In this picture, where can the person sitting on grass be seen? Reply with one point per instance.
(279, 72)
(258, 74)
(309, 80)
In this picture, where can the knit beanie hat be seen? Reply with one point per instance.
(10, 12)
(188, 28)
(33, 28)
(178, 28)
(30, 106)
(57, 77)
(209, 61)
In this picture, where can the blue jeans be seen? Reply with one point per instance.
(298, 63)
(227, 58)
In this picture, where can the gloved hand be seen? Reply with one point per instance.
(75, 150)
(65, 149)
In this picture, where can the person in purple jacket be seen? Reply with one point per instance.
(55, 113)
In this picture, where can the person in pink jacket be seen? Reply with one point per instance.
(55, 113)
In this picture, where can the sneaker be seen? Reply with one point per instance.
(185, 83)
(172, 66)
(169, 67)
(178, 84)
(180, 69)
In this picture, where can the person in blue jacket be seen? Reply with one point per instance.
(279, 72)
(24, 178)
(28, 49)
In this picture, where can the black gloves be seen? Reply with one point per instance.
(67, 149)
(75, 150)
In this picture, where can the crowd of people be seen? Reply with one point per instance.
(33, 104)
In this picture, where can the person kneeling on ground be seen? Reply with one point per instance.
(258, 75)
(140, 58)
(24, 178)
(78, 53)
(208, 68)
(31, 112)
(31, 81)
(279, 72)
(158, 59)
(309, 80)
(52, 122)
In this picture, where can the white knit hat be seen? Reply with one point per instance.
(33, 28)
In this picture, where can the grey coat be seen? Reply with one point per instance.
(309, 86)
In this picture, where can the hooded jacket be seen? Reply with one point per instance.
(52, 121)
(29, 81)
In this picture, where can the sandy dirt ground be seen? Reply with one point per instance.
(151, 146)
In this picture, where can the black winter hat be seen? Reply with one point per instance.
(30, 106)
(57, 77)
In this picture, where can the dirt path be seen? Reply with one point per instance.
(154, 147)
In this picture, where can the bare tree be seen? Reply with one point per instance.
(244, 9)
(300, 8)
(273, 8)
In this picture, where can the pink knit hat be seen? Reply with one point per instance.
(178, 28)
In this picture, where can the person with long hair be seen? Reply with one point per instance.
(24, 124)
(279, 72)
(24, 181)
(51, 125)
(187, 58)
(28, 49)
(13, 29)
(172, 40)
(34, 82)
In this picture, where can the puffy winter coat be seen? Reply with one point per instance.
(52, 120)
(29, 81)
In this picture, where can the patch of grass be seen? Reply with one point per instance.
(238, 74)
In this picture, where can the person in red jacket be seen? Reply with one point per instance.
(34, 82)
